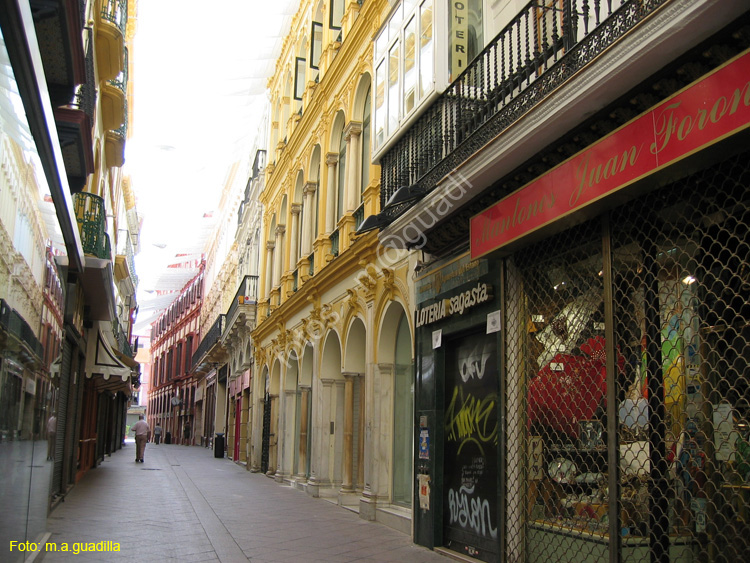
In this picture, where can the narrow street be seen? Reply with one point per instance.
(183, 504)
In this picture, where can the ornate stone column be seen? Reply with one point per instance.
(270, 245)
(353, 135)
(308, 218)
(277, 258)
(347, 461)
(332, 160)
(293, 242)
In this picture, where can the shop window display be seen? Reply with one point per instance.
(676, 305)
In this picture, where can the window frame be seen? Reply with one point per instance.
(315, 64)
(332, 10)
(300, 69)
(393, 33)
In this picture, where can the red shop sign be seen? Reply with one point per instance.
(703, 113)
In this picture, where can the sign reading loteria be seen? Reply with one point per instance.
(701, 114)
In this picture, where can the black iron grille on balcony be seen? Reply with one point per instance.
(247, 294)
(85, 95)
(15, 325)
(540, 49)
(210, 340)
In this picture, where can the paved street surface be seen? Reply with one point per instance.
(185, 505)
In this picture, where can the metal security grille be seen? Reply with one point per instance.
(627, 393)
(266, 439)
(62, 417)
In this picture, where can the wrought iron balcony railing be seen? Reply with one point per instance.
(122, 339)
(213, 336)
(17, 326)
(121, 81)
(247, 294)
(543, 46)
(116, 12)
(85, 94)
(123, 131)
(359, 216)
(125, 248)
(335, 243)
(89, 210)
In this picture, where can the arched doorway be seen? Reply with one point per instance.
(396, 351)
(354, 406)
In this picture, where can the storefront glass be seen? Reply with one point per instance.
(629, 351)
(28, 422)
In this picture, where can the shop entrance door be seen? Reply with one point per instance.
(237, 426)
(470, 523)
(265, 447)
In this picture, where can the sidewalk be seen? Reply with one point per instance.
(184, 505)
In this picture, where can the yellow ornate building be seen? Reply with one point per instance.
(332, 380)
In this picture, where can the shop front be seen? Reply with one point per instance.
(457, 403)
(583, 369)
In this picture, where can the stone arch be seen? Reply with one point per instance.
(396, 374)
(291, 376)
(360, 96)
(394, 315)
(355, 347)
(330, 360)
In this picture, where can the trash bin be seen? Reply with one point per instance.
(219, 445)
(168, 438)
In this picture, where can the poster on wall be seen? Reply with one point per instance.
(471, 455)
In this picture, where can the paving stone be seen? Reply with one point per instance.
(185, 505)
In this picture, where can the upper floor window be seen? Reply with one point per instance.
(366, 142)
(404, 67)
(341, 169)
(316, 45)
(336, 13)
(299, 77)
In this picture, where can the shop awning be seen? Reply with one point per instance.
(103, 364)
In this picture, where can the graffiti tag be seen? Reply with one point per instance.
(469, 420)
(472, 513)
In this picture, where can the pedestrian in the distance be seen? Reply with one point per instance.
(186, 433)
(142, 434)
(157, 434)
(51, 436)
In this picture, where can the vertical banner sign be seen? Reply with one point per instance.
(459, 31)
(694, 118)
(471, 458)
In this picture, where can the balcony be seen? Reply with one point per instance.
(114, 145)
(89, 211)
(121, 336)
(60, 23)
(74, 120)
(113, 100)
(241, 312)
(124, 269)
(539, 50)
(334, 243)
(16, 336)
(208, 350)
(110, 38)
(359, 216)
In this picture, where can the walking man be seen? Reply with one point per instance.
(51, 436)
(157, 434)
(142, 434)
